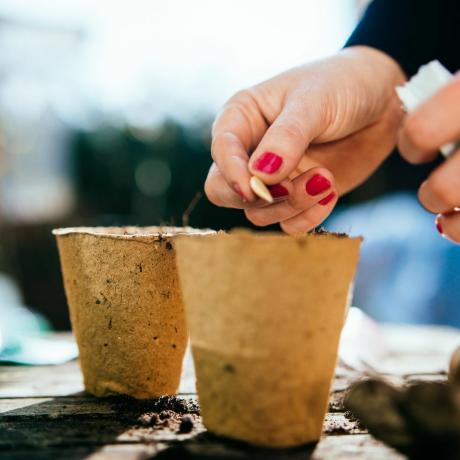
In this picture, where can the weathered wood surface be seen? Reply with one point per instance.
(45, 414)
(64, 380)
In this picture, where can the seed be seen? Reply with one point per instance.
(260, 189)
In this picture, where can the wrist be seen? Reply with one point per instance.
(375, 62)
(375, 75)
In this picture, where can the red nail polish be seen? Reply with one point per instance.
(317, 184)
(277, 190)
(327, 199)
(268, 163)
(439, 226)
(238, 190)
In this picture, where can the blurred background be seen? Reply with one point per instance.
(105, 114)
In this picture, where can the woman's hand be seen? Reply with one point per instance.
(311, 134)
(435, 123)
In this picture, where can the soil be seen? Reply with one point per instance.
(334, 428)
(186, 424)
(344, 424)
(171, 420)
(336, 402)
(352, 418)
(181, 416)
(164, 403)
(323, 231)
(167, 412)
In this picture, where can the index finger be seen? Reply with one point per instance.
(236, 130)
(284, 144)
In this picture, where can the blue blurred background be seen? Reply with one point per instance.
(105, 113)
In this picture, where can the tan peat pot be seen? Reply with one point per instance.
(265, 313)
(125, 307)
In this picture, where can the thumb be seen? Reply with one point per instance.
(284, 143)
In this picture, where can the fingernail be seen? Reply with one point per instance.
(268, 163)
(238, 190)
(439, 226)
(327, 199)
(277, 190)
(317, 184)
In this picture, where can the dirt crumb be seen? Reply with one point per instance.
(148, 419)
(323, 231)
(186, 424)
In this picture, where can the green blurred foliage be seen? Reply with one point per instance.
(113, 189)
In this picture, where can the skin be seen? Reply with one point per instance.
(337, 117)
(435, 123)
(330, 117)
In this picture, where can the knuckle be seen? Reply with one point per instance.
(242, 97)
(238, 96)
(291, 130)
(244, 104)
(240, 103)
(223, 145)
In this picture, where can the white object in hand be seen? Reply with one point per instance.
(260, 189)
(425, 83)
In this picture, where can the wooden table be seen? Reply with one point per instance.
(45, 414)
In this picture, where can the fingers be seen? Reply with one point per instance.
(354, 158)
(318, 184)
(440, 193)
(236, 130)
(221, 194)
(432, 125)
(311, 188)
(285, 141)
(229, 154)
(449, 225)
(311, 218)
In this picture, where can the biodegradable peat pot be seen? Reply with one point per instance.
(125, 307)
(265, 312)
